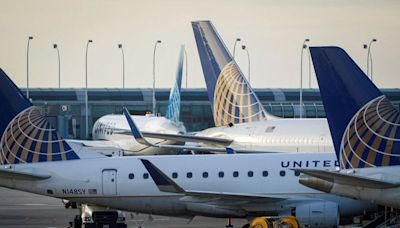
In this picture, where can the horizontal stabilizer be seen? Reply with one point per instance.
(7, 173)
(166, 184)
(348, 179)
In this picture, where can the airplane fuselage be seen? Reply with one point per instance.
(115, 128)
(124, 183)
(279, 135)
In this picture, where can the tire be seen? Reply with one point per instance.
(90, 225)
(77, 222)
(74, 205)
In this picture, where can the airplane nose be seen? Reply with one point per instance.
(316, 183)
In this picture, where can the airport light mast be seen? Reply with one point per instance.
(27, 67)
(304, 46)
(248, 61)
(234, 46)
(123, 65)
(154, 76)
(86, 90)
(369, 57)
(55, 46)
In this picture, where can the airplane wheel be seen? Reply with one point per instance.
(291, 222)
(259, 223)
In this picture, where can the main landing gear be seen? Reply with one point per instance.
(261, 222)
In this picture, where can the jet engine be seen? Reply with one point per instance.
(318, 214)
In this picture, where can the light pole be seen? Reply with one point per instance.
(234, 46)
(248, 61)
(369, 57)
(304, 46)
(309, 69)
(186, 67)
(55, 46)
(86, 90)
(154, 76)
(27, 67)
(123, 65)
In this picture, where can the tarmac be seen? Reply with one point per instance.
(21, 209)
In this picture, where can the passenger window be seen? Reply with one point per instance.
(145, 176)
(205, 174)
(282, 173)
(235, 174)
(250, 174)
(131, 176)
(265, 173)
(296, 173)
(189, 175)
(174, 175)
(221, 174)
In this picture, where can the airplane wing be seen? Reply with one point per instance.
(140, 139)
(348, 179)
(181, 138)
(7, 173)
(188, 138)
(165, 184)
(93, 143)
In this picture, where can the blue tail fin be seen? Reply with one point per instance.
(26, 136)
(174, 105)
(365, 126)
(230, 94)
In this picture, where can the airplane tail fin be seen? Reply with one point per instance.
(363, 123)
(26, 135)
(174, 105)
(230, 94)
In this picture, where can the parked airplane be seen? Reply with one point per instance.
(365, 130)
(239, 116)
(115, 130)
(34, 158)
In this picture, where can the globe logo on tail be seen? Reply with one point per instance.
(234, 100)
(372, 137)
(29, 138)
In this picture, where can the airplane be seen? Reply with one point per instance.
(34, 158)
(240, 119)
(365, 131)
(112, 130)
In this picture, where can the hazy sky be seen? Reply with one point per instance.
(272, 30)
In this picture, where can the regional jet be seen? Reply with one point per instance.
(365, 131)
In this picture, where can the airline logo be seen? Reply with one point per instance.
(372, 138)
(30, 138)
(234, 100)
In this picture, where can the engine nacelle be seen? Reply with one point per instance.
(318, 214)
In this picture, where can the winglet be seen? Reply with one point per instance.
(230, 150)
(163, 182)
(134, 129)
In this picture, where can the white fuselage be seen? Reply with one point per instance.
(115, 128)
(389, 196)
(278, 135)
(123, 183)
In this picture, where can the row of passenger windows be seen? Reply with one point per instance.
(221, 174)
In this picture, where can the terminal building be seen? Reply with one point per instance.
(65, 108)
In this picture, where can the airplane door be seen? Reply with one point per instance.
(109, 181)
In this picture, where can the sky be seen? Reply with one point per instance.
(273, 32)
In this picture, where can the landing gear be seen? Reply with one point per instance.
(261, 222)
